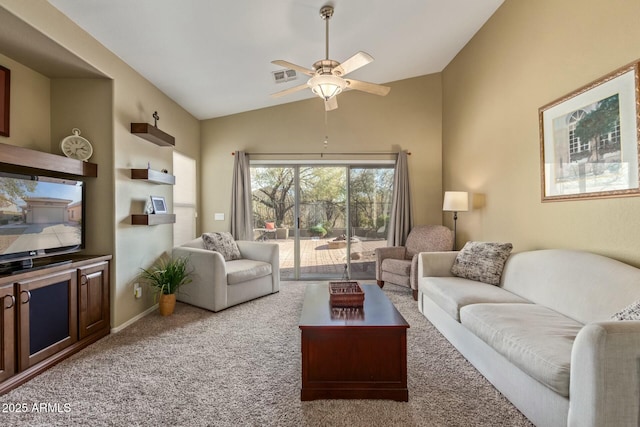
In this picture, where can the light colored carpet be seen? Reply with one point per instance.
(242, 367)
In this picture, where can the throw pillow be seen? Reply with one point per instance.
(222, 242)
(632, 312)
(482, 261)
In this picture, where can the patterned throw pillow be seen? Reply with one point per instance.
(222, 242)
(482, 261)
(631, 312)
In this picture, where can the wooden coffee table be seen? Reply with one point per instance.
(353, 353)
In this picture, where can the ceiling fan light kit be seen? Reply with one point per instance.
(327, 75)
(326, 86)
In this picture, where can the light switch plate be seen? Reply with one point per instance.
(219, 217)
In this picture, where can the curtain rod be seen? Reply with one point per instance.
(329, 154)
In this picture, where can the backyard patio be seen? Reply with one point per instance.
(322, 257)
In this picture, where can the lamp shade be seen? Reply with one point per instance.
(456, 201)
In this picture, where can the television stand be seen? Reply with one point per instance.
(22, 266)
(50, 311)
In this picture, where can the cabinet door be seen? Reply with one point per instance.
(7, 335)
(93, 294)
(48, 316)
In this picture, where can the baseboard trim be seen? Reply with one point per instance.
(134, 319)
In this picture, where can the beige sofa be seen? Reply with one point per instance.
(218, 284)
(544, 337)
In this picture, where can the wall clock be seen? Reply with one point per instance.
(76, 147)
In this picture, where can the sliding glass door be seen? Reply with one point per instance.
(370, 192)
(328, 219)
(322, 213)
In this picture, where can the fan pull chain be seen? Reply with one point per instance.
(326, 129)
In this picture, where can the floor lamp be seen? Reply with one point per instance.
(455, 201)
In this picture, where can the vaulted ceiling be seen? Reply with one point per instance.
(213, 57)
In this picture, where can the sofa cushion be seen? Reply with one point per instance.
(583, 286)
(482, 261)
(223, 243)
(453, 293)
(243, 270)
(400, 267)
(534, 338)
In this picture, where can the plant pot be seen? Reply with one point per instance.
(167, 304)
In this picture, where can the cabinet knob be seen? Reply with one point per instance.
(28, 296)
(12, 300)
(83, 279)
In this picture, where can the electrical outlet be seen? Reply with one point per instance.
(137, 290)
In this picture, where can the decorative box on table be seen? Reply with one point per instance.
(345, 294)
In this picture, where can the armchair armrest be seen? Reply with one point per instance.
(395, 252)
(259, 251)
(605, 379)
(266, 252)
(208, 288)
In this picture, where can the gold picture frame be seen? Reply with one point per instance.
(589, 140)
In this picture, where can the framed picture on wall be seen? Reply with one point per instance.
(159, 205)
(5, 88)
(589, 140)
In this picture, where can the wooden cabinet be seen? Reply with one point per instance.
(93, 299)
(47, 316)
(7, 334)
(49, 313)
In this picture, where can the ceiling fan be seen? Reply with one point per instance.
(327, 77)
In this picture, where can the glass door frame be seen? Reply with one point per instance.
(297, 165)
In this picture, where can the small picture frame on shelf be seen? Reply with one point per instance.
(159, 205)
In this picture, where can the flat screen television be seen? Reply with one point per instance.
(40, 216)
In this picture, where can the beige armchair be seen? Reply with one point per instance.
(399, 264)
(218, 284)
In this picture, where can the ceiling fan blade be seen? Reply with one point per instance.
(331, 104)
(358, 60)
(373, 88)
(289, 91)
(287, 64)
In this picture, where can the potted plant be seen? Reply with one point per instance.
(166, 277)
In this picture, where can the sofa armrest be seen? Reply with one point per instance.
(435, 264)
(605, 375)
(395, 252)
(266, 252)
(208, 287)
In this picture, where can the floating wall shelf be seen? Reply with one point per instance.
(154, 176)
(153, 134)
(152, 219)
(26, 158)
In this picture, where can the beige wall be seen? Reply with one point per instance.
(86, 104)
(409, 118)
(529, 54)
(30, 91)
(128, 98)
